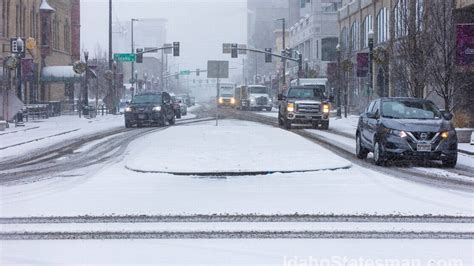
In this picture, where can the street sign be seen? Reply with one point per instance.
(168, 48)
(125, 57)
(217, 69)
(226, 48)
(185, 72)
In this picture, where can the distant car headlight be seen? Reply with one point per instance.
(269, 100)
(157, 108)
(128, 109)
(252, 99)
(232, 100)
(326, 108)
(221, 100)
(290, 107)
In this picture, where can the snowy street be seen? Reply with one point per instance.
(196, 181)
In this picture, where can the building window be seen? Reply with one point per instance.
(355, 36)
(383, 25)
(67, 37)
(344, 38)
(401, 19)
(2, 26)
(328, 49)
(368, 27)
(302, 3)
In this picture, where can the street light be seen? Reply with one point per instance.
(85, 102)
(20, 48)
(339, 80)
(371, 55)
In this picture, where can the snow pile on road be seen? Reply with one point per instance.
(230, 147)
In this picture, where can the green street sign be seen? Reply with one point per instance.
(125, 57)
(185, 72)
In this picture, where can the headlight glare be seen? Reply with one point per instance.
(326, 108)
(232, 100)
(290, 107)
(157, 108)
(128, 109)
(445, 134)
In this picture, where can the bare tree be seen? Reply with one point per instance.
(446, 79)
(410, 50)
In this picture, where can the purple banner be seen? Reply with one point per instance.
(362, 65)
(27, 69)
(465, 44)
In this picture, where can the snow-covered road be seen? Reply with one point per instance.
(297, 182)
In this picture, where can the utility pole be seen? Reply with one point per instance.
(283, 49)
(133, 51)
(111, 88)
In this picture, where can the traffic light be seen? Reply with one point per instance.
(139, 58)
(300, 62)
(198, 72)
(175, 48)
(234, 51)
(268, 55)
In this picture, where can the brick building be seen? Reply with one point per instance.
(55, 26)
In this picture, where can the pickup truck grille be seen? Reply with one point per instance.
(262, 101)
(308, 108)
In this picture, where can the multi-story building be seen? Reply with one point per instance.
(315, 35)
(393, 26)
(47, 73)
(262, 21)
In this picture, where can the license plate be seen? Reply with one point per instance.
(423, 147)
(141, 116)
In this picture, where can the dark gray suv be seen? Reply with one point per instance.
(150, 109)
(406, 128)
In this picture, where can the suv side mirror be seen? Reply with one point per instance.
(127, 102)
(371, 115)
(331, 98)
(280, 97)
(447, 115)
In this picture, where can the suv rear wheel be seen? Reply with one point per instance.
(287, 124)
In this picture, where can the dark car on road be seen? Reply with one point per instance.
(150, 109)
(406, 128)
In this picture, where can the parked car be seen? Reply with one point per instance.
(150, 109)
(304, 106)
(182, 105)
(407, 128)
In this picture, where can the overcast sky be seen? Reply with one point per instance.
(200, 25)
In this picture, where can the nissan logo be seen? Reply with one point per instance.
(424, 136)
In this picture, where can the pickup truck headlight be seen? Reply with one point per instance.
(326, 108)
(157, 108)
(290, 107)
(128, 109)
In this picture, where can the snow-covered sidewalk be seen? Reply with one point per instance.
(43, 133)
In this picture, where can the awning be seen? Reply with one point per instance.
(59, 74)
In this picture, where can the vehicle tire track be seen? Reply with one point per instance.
(400, 172)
